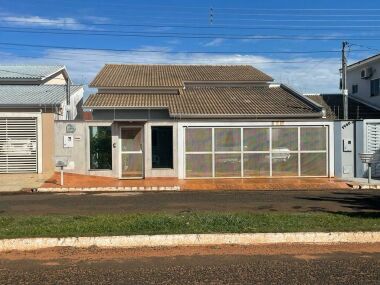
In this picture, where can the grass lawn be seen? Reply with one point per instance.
(133, 224)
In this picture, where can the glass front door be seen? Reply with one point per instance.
(131, 152)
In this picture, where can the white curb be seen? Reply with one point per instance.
(189, 240)
(109, 189)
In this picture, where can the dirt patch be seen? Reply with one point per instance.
(305, 251)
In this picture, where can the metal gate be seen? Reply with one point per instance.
(18, 145)
(373, 144)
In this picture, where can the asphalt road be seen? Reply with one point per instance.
(174, 202)
(304, 265)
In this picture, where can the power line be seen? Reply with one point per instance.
(214, 26)
(196, 36)
(171, 52)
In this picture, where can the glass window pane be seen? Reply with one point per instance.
(131, 165)
(162, 147)
(284, 164)
(256, 164)
(313, 138)
(198, 165)
(198, 139)
(313, 164)
(100, 148)
(131, 139)
(227, 165)
(227, 139)
(256, 139)
(284, 139)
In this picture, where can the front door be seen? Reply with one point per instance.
(132, 165)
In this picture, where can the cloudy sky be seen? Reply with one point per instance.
(296, 42)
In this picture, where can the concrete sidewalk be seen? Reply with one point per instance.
(18, 182)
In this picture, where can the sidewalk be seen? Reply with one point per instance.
(76, 182)
(18, 182)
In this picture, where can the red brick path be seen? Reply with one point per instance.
(81, 181)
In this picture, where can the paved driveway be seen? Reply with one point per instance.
(175, 202)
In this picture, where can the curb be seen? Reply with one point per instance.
(110, 189)
(24, 244)
(356, 186)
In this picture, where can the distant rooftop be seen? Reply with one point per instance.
(28, 72)
(34, 95)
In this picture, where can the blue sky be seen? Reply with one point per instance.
(297, 42)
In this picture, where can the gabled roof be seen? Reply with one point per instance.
(34, 95)
(124, 75)
(28, 72)
(364, 61)
(333, 103)
(215, 102)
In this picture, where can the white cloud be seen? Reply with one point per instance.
(308, 75)
(68, 23)
(214, 42)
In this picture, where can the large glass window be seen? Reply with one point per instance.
(227, 165)
(256, 164)
(227, 139)
(256, 139)
(198, 139)
(284, 139)
(313, 138)
(199, 165)
(162, 147)
(256, 151)
(100, 147)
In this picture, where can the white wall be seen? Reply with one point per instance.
(74, 100)
(364, 85)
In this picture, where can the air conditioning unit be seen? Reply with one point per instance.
(366, 73)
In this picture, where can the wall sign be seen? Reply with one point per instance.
(70, 129)
(68, 141)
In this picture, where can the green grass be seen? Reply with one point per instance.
(133, 224)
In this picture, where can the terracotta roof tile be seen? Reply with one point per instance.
(213, 101)
(123, 75)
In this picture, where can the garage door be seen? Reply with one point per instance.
(244, 152)
(373, 145)
(18, 145)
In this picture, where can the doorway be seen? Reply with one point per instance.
(131, 153)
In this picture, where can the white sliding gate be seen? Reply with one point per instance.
(18, 145)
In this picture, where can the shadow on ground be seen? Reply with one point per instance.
(357, 204)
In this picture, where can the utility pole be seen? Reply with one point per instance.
(344, 81)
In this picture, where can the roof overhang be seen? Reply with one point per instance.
(364, 61)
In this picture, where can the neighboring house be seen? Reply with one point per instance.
(333, 103)
(363, 80)
(194, 121)
(359, 134)
(31, 98)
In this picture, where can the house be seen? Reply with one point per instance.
(363, 81)
(31, 98)
(333, 104)
(197, 121)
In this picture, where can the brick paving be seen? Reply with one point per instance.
(87, 181)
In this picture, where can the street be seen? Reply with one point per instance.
(280, 264)
(175, 202)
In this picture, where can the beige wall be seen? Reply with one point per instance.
(58, 79)
(48, 142)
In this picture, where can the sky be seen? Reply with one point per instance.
(298, 43)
